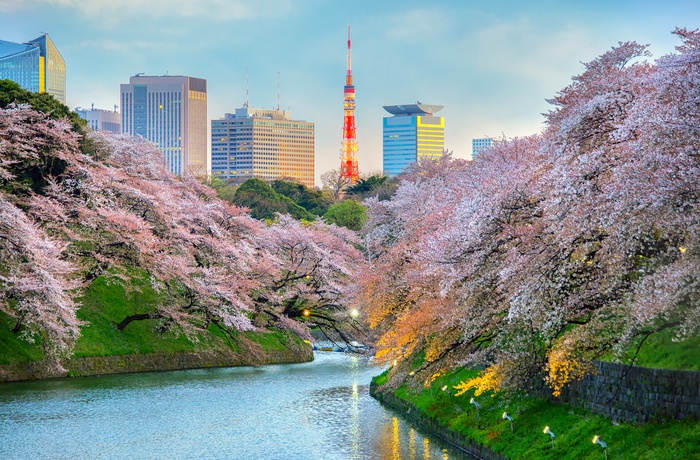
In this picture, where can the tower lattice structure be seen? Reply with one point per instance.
(348, 161)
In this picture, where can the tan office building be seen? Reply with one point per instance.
(262, 143)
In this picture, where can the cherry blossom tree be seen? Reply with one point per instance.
(81, 216)
(548, 251)
(37, 284)
(313, 265)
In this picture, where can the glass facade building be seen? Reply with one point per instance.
(170, 111)
(36, 66)
(411, 135)
(479, 145)
(262, 143)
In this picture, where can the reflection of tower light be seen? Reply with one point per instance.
(355, 421)
(348, 161)
(395, 439)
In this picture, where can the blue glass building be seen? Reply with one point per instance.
(411, 135)
(36, 66)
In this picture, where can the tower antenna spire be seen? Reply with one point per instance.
(348, 155)
(278, 90)
(246, 87)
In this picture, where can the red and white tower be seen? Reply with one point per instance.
(348, 154)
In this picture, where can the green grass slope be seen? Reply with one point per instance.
(574, 428)
(661, 351)
(107, 301)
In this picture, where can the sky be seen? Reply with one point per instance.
(491, 64)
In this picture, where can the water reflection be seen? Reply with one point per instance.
(397, 441)
(318, 410)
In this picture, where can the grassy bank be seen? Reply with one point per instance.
(574, 428)
(661, 351)
(108, 300)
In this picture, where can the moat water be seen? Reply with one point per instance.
(316, 410)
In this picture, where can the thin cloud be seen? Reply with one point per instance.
(217, 10)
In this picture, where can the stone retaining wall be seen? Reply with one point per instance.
(97, 365)
(432, 426)
(636, 394)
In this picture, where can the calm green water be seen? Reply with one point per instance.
(317, 410)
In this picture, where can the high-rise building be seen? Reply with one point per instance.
(262, 143)
(480, 144)
(101, 120)
(36, 66)
(170, 111)
(411, 135)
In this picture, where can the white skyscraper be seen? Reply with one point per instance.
(170, 111)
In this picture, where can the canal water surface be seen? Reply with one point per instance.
(317, 410)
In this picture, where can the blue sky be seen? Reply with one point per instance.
(491, 64)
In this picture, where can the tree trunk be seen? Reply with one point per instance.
(137, 317)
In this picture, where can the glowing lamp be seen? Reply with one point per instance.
(549, 432)
(509, 418)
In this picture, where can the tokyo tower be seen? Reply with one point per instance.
(348, 154)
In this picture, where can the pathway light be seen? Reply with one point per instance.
(447, 390)
(354, 313)
(477, 405)
(549, 432)
(306, 312)
(509, 418)
(597, 440)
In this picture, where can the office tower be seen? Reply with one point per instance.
(262, 143)
(36, 66)
(479, 145)
(349, 167)
(101, 120)
(170, 111)
(412, 134)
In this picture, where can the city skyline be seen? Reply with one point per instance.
(491, 66)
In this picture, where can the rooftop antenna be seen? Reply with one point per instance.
(278, 90)
(115, 108)
(93, 106)
(246, 87)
